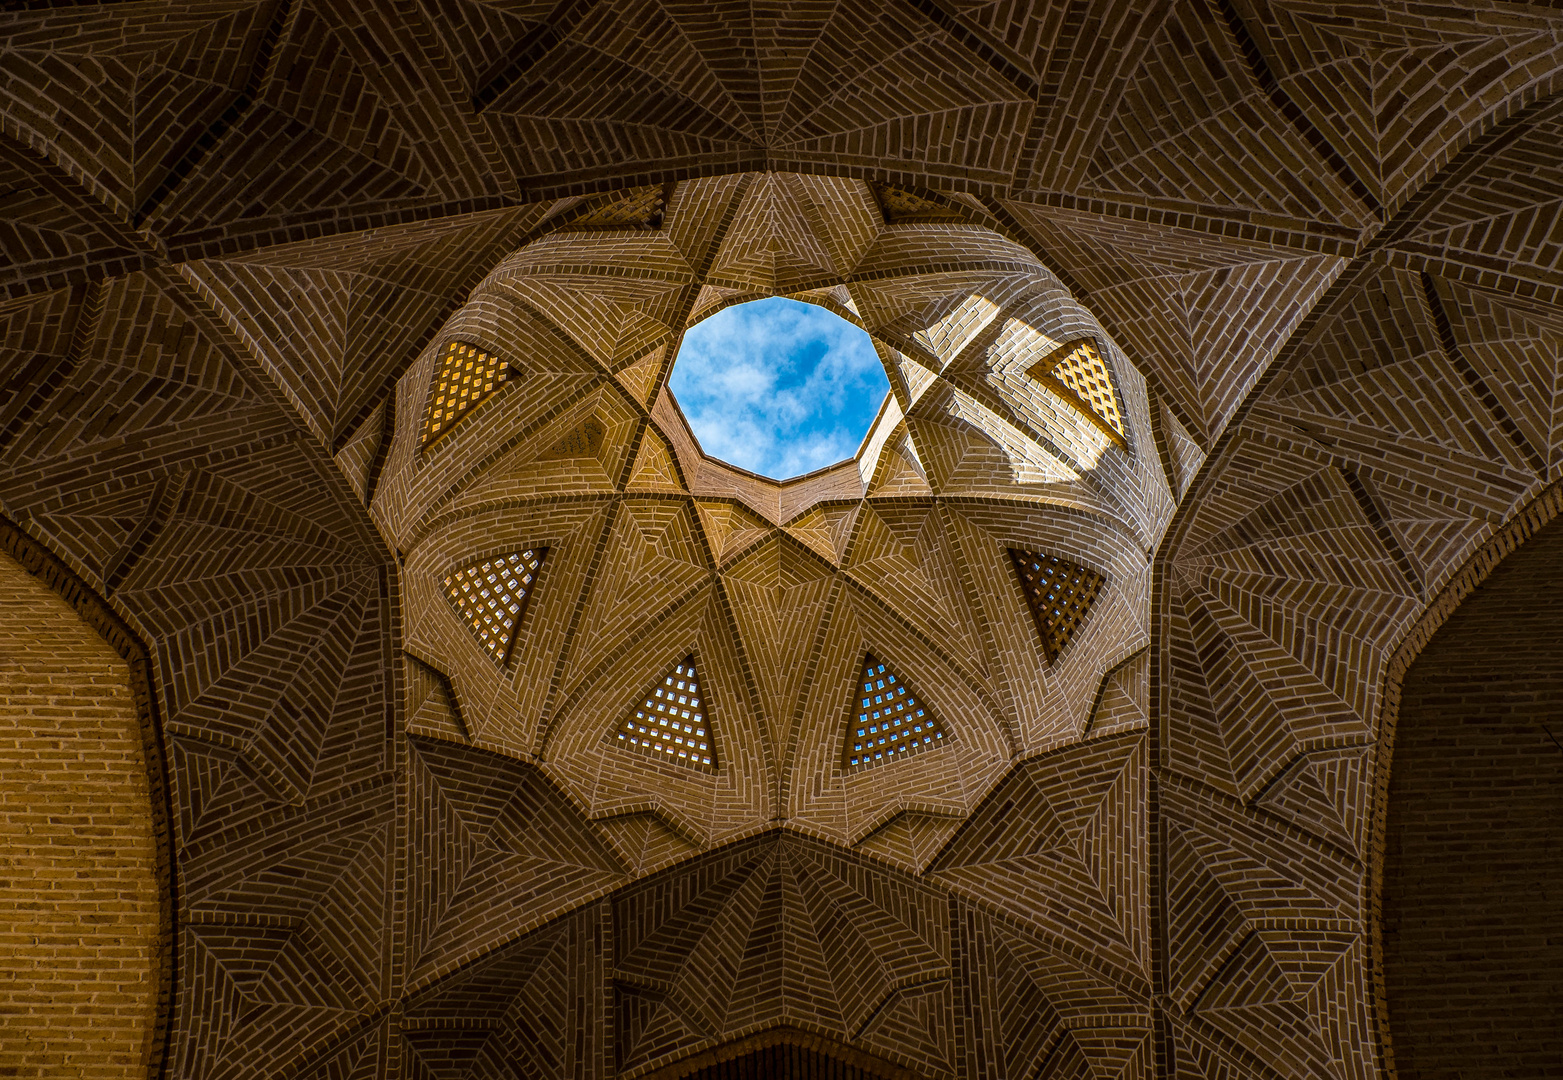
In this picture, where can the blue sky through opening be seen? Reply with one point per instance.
(778, 387)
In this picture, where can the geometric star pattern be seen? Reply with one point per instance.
(1333, 318)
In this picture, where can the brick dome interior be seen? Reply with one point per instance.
(494, 730)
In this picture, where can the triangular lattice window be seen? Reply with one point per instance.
(669, 723)
(1059, 594)
(889, 720)
(491, 597)
(466, 375)
(1077, 373)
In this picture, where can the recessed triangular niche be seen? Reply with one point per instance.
(900, 206)
(1078, 374)
(668, 723)
(490, 597)
(635, 208)
(583, 440)
(1059, 593)
(889, 719)
(464, 377)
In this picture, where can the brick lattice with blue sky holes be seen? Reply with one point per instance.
(889, 720)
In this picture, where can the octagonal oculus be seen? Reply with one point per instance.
(778, 387)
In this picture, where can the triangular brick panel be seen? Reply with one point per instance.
(1058, 592)
(1076, 372)
(1123, 698)
(1193, 94)
(670, 723)
(780, 596)
(464, 377)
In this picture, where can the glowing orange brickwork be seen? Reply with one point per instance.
(466, 376)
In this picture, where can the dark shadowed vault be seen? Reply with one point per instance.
(1223, 339)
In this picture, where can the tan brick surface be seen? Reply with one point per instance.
(79, 892)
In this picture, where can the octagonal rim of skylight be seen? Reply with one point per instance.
(778, 387)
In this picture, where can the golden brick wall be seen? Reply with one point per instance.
(78, 890)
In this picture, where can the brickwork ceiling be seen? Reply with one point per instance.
(1242, 315)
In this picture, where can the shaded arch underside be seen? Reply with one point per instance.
(1472, 879)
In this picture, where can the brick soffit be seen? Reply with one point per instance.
(39, 561)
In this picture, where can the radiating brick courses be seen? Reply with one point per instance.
(1315, 247)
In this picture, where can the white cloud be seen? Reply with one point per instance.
(778, 387)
